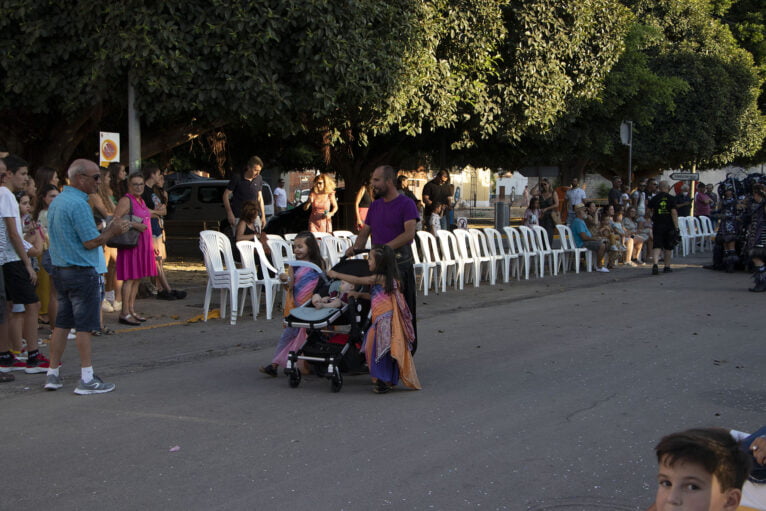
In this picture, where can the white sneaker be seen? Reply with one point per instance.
(106, 306)
(72, 334)
(603, 269)
(117, 306)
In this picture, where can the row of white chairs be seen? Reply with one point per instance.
(450, 258)
(696, 232)
(472, 255)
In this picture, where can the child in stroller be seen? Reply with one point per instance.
(320, 344)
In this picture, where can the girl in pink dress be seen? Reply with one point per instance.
(138, 262)
(322, 203)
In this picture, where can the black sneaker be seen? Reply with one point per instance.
(667, 269)
(270, 370)
(165, 295)
(180, 295)
(655, 270)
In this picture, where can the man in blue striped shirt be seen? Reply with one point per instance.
(78, 262)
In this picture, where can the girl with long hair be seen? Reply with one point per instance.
(103, 209)
(388, 343)
(301, 283)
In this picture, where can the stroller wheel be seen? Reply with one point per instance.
(295, 378)
(336, 383)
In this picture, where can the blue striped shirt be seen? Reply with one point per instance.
(70, 223)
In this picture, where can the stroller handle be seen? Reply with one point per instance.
(357, 251)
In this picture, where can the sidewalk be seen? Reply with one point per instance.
(192, 278)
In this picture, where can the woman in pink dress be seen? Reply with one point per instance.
(322, 203)
(137, 262)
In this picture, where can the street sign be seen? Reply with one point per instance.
(685, 176)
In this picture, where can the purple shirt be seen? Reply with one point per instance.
(386, 219)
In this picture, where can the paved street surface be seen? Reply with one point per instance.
(547, 394)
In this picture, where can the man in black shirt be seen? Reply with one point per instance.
(684, 202)
(662, 207)
(241, 189)
(436, 191)
(615, 194)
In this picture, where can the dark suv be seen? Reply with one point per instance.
(197, 206)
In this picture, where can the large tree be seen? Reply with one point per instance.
(684, 82)
(362, 77)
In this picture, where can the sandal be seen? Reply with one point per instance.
(138, 318)
(107, 331)
(128, 320)
(96, 332)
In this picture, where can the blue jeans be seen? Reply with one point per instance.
(78, 290)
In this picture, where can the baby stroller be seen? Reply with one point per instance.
(329, 351)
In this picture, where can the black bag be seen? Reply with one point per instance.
(127, 239)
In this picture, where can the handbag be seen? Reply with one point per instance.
(127, 239)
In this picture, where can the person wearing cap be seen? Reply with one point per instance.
(583, 238)
(280, 197)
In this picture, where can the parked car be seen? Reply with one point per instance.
(197, 206)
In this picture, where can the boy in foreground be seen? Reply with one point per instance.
(700, 470)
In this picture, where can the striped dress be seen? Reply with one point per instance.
(304, 282)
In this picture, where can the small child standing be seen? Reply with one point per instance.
(434, 223)
(388, 343)
(700, 470)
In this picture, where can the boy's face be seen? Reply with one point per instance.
(687, 486)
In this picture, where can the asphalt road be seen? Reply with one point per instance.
(540, 395)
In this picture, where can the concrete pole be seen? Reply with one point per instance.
(134, 132)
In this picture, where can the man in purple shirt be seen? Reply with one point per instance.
(391, 220)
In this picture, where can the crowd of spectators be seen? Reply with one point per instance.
(28, 293)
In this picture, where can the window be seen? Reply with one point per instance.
(211, 194)
(178, 196)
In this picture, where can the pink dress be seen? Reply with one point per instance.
(138, 262)
(318, 222)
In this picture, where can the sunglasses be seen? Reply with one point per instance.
(95, 177)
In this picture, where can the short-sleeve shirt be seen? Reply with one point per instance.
(153, 201)
(386, 219)
(578, 227)
(702, 204)
(661, 205)
(575, 196)
(439, 193)
(9, 208)
(70, 223)
(614, 196)
(280, 197)
(243, 191)
(684, 210)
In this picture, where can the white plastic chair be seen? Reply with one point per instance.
(508, 259)
(471, 263)
(707, 231)
(515, 245)
(291, 236)
(686, 237)
(425, 268)
(223, 274)
(484, 255)
(568, 244)
(269, 279)
(281, 255)
(429, 251)
(529, 243)
(274, 237)
(544, 247)
(451, 253)
(343, 234)
(699, 233)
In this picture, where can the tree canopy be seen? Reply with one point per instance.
(347, 69)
